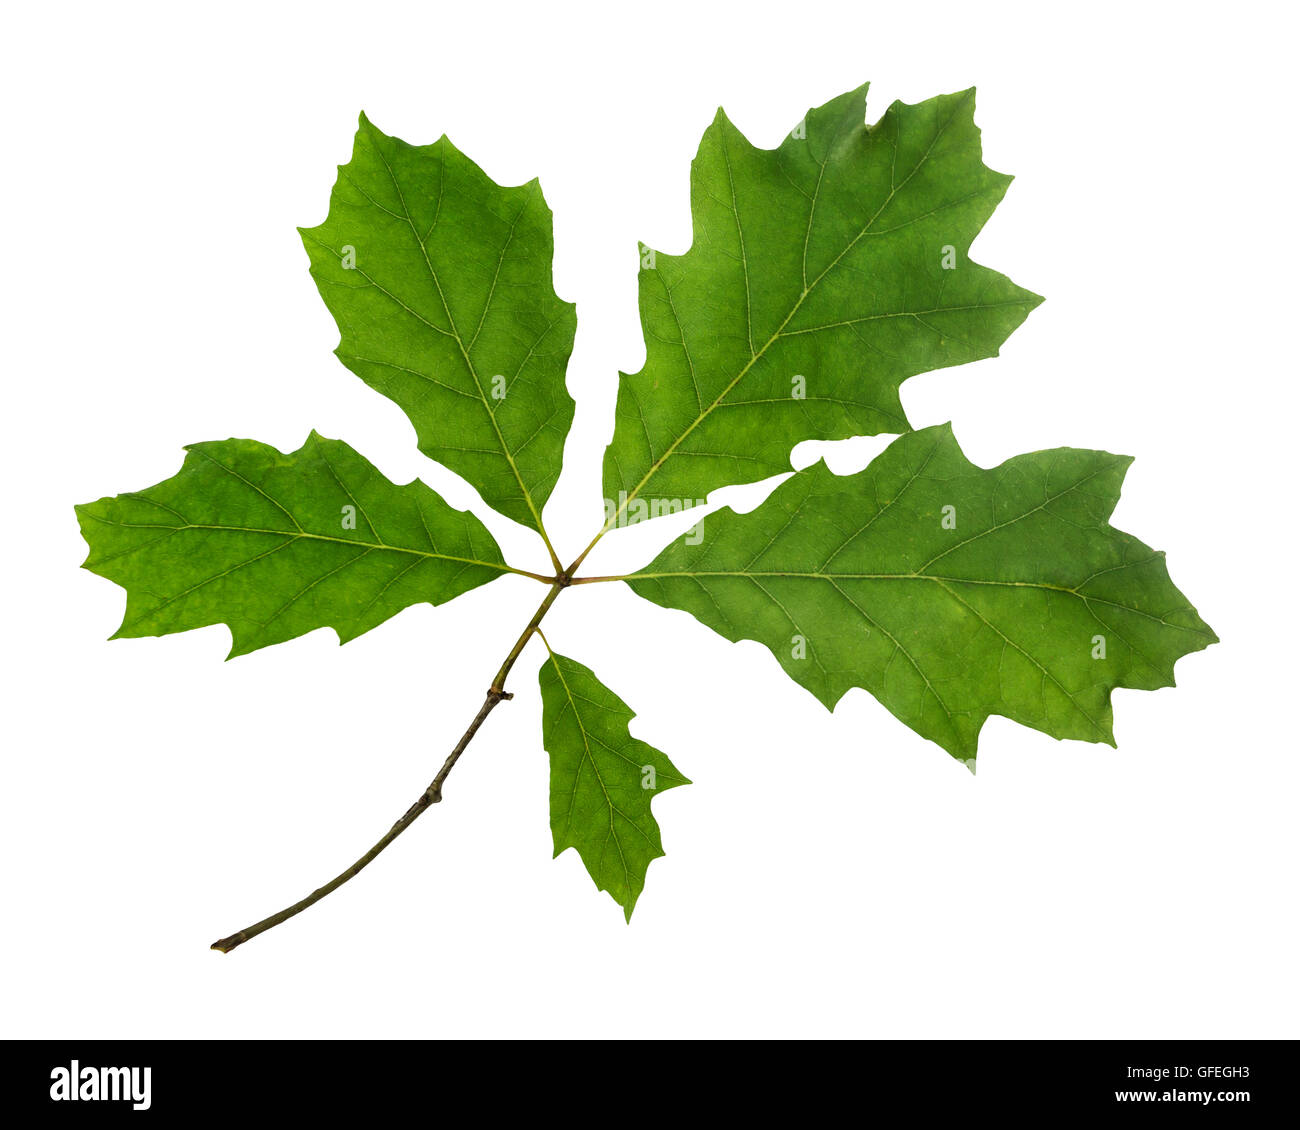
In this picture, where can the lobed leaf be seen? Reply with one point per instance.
(602, 779)
(948, 591)
(440, 282)
(822, 274)
(277, 545)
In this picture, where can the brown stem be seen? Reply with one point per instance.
(432, 795)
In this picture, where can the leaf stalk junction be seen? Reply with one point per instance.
(496, 693)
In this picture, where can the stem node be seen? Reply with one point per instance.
(432, 795)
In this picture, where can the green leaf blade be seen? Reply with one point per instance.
(1020, 600)
(602, 780)
(821, 262)
(276, 545)
(445, 305)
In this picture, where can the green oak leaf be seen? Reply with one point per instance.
(948, 591)
(822, 275)
(440, 282)
(602, 779)
(276, 545)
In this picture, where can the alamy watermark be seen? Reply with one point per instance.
(75, 1083)
(621, 512)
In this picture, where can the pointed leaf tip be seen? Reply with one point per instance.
(277, 545)
(822, 275)
(440, 282)
(948, 591)
(602, 780)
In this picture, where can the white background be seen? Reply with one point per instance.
(827, 874)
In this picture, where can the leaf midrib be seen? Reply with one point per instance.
(296, 535)
(808, 288)
(613, 808)
(455, 333)
(833, 577)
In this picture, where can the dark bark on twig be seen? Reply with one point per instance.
(432, 795)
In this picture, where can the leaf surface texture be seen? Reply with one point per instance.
(440, 282)
(948, 591)
(602, 779)
(246, 536)
(822, 274)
